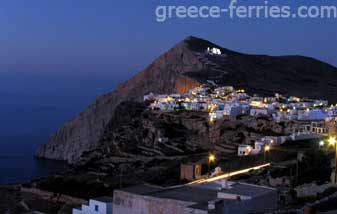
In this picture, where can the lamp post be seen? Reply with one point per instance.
(321, 144)
(211, 158)
(266, 150)
(332, 141)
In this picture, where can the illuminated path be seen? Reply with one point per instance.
(220, 177)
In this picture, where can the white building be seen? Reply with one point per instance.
(304, 136)
(244, 150)
(233, 109)
(216, 115)
(258, 147)
(214, 51)
(214, 197)
(102, 205)
(254, 112)
(312, 114)
(222, 91)
(275, 140)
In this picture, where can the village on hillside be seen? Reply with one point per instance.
(289, 173)
(312, 118)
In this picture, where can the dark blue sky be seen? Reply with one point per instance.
(56, 56)
(122, 37)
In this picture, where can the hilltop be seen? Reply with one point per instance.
(186, 66)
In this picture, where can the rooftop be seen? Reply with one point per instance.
(142, 189)
(188, 194)
(238, 188)
(200, 194)
(181, 193)
(104, 199)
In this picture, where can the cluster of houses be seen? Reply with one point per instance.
(218, 102)
(313, 118)
(226, 101)
(309, 119)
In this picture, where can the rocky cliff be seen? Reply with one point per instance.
(186, 66)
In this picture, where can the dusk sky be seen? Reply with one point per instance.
(57, 56)
(122, 37)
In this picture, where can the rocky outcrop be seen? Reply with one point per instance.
(84, 131)
(136, 134)
(184, 67)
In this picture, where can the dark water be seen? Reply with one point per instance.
(33, 106)
(18, 169)
(17, 162)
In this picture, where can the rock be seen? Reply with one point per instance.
(182, 68)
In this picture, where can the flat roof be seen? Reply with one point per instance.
(181, 193)
(248, 190)
(187, 193)
(199, 194)
(142, 189)
(238, 188)
(104, 199)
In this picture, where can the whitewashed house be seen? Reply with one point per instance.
(233, 109)
(102, 205)
(321, 103)
(303, 132)
(216, 115)
(319, 127)
(200, 91)
(244, 150)
(312, 114)
(258, 148)
(276, 140)
(254, 112)
(317, 114)
(222, 91)
(213, 51)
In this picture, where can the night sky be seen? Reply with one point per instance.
(58, 55)
(123, 36)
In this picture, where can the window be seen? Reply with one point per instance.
(96, 208)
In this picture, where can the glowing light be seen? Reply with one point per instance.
(332, 140)
(249, 148)
(211, 158)
(220, 177)
(321, 143)
(267, 148)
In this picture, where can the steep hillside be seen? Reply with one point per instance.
(186, 66)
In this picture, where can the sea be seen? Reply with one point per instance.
(32, 107)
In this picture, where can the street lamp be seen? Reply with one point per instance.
(321, 143)
(266, 150)
(332, 142)
(211, 158)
